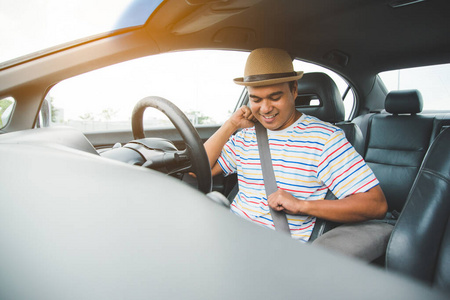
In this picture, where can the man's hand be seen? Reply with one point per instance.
(353, 208)
(243, 118)
(284, 201)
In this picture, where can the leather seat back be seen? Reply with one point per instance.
(420, 243)
(396, 144)
(319, 96)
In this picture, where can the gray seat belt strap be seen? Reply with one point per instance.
(270, 183)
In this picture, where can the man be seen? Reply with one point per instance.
(309, 156)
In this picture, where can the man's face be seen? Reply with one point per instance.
(274, 105)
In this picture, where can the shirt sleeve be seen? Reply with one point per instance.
(342, 169)
(227, 158)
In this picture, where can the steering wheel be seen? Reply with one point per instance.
(194, 156)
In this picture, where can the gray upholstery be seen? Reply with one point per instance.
(420, 243)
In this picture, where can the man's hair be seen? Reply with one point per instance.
(292, 85)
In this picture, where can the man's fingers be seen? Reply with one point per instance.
(278, 207)
(272, 200)
(247, 112)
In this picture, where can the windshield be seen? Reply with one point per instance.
(29, 26)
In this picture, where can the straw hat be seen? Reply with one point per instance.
(267, 66)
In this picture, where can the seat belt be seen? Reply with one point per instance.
(322, 225)
(270, 183)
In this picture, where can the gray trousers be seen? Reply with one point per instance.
(365, 240)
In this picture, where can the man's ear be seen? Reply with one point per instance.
(295, 89)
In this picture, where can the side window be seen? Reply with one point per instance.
(6, 109)
(431, 81)
(200, 83)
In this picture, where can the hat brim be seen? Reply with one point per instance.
(240, 80)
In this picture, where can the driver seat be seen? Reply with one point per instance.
(319, 96)
(420, 242)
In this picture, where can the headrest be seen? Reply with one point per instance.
(404, 102)
(321, 89)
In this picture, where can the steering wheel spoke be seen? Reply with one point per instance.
(192, 159)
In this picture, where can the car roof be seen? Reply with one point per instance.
(353, 37)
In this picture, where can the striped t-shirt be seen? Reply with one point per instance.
(309, 157)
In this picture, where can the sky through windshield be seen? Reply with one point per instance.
(33, 25)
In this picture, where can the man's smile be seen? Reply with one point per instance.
(269, 117)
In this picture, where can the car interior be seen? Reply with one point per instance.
(118, 214)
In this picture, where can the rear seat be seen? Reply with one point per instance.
(396, 142)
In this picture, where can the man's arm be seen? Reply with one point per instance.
(354, 208)
(242, 118)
